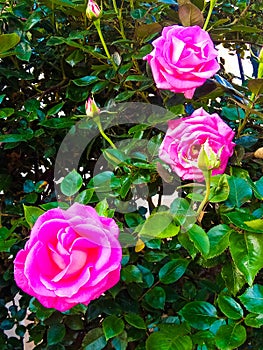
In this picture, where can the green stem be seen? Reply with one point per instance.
(97, 25)
(119, 16)
(207, 176)
(211, 7)
(97, 121)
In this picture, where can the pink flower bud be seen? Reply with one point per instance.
(93, 10)
(91, 108)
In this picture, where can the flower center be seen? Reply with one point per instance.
(194, 151)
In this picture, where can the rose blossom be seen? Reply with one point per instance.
(71, 257)
(182, 59)
(185, 137)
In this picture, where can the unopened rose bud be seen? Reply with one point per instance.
(91, 108)
(93, 10)
(207, 158)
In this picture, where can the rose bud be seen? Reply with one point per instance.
(93, 10)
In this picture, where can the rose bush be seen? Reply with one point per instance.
(182, 143)
(183, 58)
(72, 256)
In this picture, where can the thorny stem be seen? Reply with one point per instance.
(207, 176)
(97, 25)
(97, 121)
(211, 7)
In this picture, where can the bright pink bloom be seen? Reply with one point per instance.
(184, 138)
(182, 59)
(72, 256)
(93, 10)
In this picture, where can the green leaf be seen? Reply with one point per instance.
(183, 212)
(2, 96)
(230, 307)
(252, 299)
(114, 156)
(5, 245)
(23, 51)
(85, 81)
(75, 322)
(247, 29)
(32, 214)
(220, 189)
(71, 183)
(120, 342)
(57, 123)
(173, 270)
(205, 340)
(94, 340)
(77, 95)
(55, 109)
(219, 240)
(233, 278)
(256, 225)
(159, 225)
(254, 320)
(55, 40)
(233, 113)
(8, 41)
(156, 297)
(199, 314)
(185, 241)
(124, 96)
(112, 326)
(244, 221)
(130, 274)
(152, 256)
(237, 197)
(32, 20)
(163, 341)
(75, 57)
(15, 137)
(85, 196)
(230, 337)
(247, 252)
(147, 276)
(104, 182)
(258, 191)
(56, 333)
(135, 320)
(102, 208)
(101, 85)
(200, 239)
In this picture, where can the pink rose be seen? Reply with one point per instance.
(185, 137)
(71, 257)
(182, 59)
